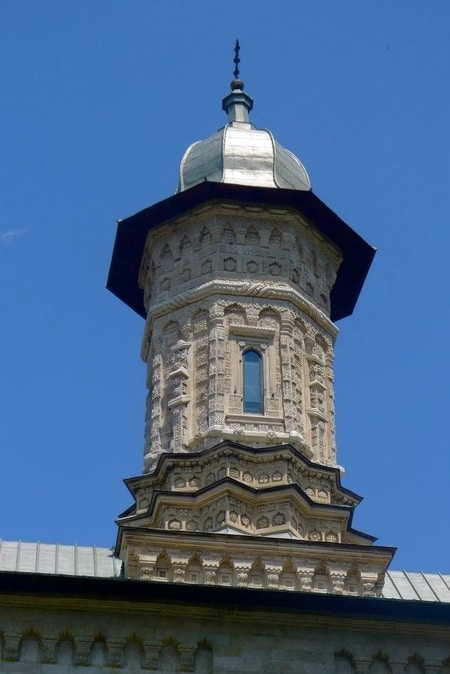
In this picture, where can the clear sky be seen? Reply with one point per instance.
(99, 101)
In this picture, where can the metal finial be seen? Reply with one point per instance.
(236, 59)
(237, 104)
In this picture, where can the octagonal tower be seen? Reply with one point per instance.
(240, 277)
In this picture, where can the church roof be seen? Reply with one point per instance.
(240, 153)
(51, 558)
(99, 562)
(132, 232)
(424, 586)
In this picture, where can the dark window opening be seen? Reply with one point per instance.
(253, 390)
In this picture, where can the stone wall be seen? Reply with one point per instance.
(223, 280)
(55, 635)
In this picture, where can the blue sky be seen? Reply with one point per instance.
(99, 101)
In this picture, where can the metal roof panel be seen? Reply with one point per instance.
(418, 586)
(72, 560)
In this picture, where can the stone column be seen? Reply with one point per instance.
(48, 650)
(11, 644)
(306, 578)
(290, 412)
(187, 657)
(153, 416)
(115, 653)
(180, 398)
(83, 651)
(151, 656)
(330, 408)
(216, 369)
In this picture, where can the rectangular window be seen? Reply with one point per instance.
(253, 389)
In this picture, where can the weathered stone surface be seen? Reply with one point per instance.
(66, 633)
(256, 280)
(220, 281)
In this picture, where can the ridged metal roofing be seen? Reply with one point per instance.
(419, 586)
(69, 560)
(241, 154)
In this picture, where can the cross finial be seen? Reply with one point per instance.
(236, 59)
(237, 104)
(237, 83)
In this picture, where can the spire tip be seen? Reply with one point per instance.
(237, 104)
(237, 83)
(236, 59)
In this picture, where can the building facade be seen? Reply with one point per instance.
(238, 550)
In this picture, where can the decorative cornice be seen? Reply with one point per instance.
(258, 455)
(283, 292)
(307, 563)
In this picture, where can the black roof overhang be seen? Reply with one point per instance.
(132, 234)
(221, 599)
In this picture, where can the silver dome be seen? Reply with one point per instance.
(241, 154)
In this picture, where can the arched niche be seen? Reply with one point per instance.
(133, 653)
(163, 567)
(194, 570)
(30, 647)
(203, 663)
(380, 664)
(169, 656)
(65, 651)
(225, 572)
(344, 663)
(98, 652)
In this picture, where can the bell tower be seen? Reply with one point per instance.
(240, 277)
